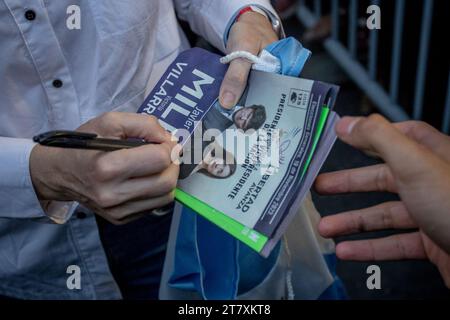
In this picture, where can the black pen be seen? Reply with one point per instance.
(82, 140)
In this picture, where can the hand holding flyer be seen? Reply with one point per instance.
(245, 169)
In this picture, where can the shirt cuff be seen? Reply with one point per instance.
(59, 212)
(212, 19)
(18, 199)
(264, 6)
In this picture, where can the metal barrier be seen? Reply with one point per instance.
(387, 101)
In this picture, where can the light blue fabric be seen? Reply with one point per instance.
(206, 258)
(269, 10)
(291, 54)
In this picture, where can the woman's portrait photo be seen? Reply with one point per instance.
(217, 163)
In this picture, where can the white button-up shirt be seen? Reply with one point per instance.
(110, 63)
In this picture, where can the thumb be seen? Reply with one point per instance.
(375, 134)
(234, 82)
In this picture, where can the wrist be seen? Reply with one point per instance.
(251, 9)
(271, 19)
(44, 173)
(260, 25)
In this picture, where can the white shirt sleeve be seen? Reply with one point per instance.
(18, 199)
(212, 19)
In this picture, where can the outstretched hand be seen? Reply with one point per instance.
(417, 168)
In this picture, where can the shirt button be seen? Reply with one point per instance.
(57, 83)
(30, 15)
(81, 215)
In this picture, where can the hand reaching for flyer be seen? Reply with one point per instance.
(417, 168)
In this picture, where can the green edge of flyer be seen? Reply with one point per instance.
(253, 239)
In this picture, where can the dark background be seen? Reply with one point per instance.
(400, 279)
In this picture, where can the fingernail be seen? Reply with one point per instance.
(345, 125)
(167, 135)
(324, 228)
(171, 137)
(343, 251)
(228, 99)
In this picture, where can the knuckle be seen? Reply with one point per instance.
(401, 247)
(109, 123)
(420, 128)
(381, 178)
(163, 157)
(387, 215)
(372, 123)
(152, 120)
(236, 79)
(105, 199)
(169, 183)
(375, 120)
(110, 117)
(358, 222)
(419, 124)
(104, 170)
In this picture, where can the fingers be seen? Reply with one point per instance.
(421, 176)
(128, 125)
(426, 135)
(373, 178)
(148, 187)
(113, 193)
(389, 215)
(137, 162)
(120, 185)
(130, 208)
(127, 175)
(130, 211)
(406, 158)
(397, 247)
